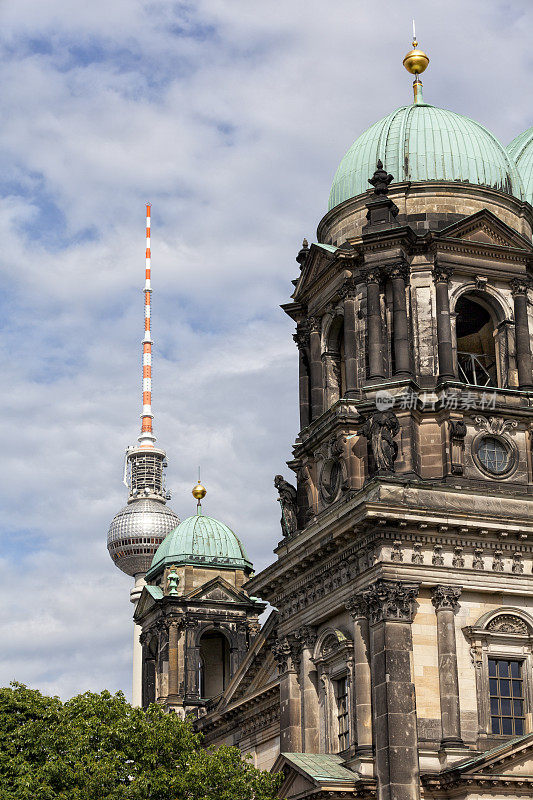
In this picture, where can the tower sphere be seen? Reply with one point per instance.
(421, 142)
(521, 151)
(137, 531)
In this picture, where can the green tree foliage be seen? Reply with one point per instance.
(97, 747)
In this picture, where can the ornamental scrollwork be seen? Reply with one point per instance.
(495, 425)
(281, 650)
(507, 623)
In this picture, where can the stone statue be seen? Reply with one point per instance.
(287, 501)
(380, 429)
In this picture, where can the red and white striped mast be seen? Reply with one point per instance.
(147, 437)
(145, 463)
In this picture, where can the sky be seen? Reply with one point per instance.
(229, 117)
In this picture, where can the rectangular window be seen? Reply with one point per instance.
(343, 725)
(506, 697)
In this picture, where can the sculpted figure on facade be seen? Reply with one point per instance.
(380, 429)
(289, 508)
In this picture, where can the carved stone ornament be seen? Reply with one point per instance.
(445, 597)
(518, 564)
(391, 601)
(315, 324)
(508, 623)
(380, 429)
(307, 635)
(442, 273)
(373, 275)
(289, 507)
(497, 561)
(357, 606)
(520, 286)
(458, 559)
(380, 180)
(301, 337)
(399, 270)
(281, 650)
(457, 430)
(172, 581)
(495, 425)
(396, 551)
(478, 561)
(417, 556)
(348, 290)
(303, 253)
(437, 559)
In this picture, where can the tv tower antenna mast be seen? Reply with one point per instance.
(139, 528)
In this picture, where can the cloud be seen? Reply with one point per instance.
(231, 119)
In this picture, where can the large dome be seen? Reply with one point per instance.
(521, 151)
(201, 541)
(423, 143)
(137, 531)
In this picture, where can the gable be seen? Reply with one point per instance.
(484, 227)
(218, 590)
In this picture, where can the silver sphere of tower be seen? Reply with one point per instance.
(137, 531)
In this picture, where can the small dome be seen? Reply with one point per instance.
(137, 531)
(521, 151)
(202, 541)
(424, 143)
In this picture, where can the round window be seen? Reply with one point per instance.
(494, 455)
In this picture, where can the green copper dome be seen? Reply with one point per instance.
(201, 541)
(424, 143)
(521, 151)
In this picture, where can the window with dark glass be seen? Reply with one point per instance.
(343, 726)
(506, 697)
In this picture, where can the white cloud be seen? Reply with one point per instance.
(230, 117)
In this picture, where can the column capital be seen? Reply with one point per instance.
(520, 286)
(372, 275)
(307, 636)
(357, 606)
(442, 273)
(301, 337)
(445, 597)
(400, 269)
(315, 324)
(391, 601)
(348, 290)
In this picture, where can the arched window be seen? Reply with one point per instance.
(476, 343)
(334, 366)
(214, 666)
(333, 658)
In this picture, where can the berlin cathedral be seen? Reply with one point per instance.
(397, 659)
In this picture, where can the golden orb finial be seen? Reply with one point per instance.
(199, 491)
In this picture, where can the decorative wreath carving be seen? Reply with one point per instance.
(507, 623)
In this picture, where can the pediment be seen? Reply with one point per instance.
(305, 774)
(511, 762)
(484, 227)
(149, 597)
(318, 261)
(219, 591)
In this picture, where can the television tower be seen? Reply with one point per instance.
(139, 528)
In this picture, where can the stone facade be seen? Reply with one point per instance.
(403, 583)
(410, 573)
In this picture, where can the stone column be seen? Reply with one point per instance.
(375, 326)
(350, 340)
(519, 287)
(135, 593)
(289, 696)
(446, 600)
(362, 679)
(400, 327)
(391, 608)
(317, 382)
(173, 676)
(309, 690)
(441, 276)
(301, 337)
